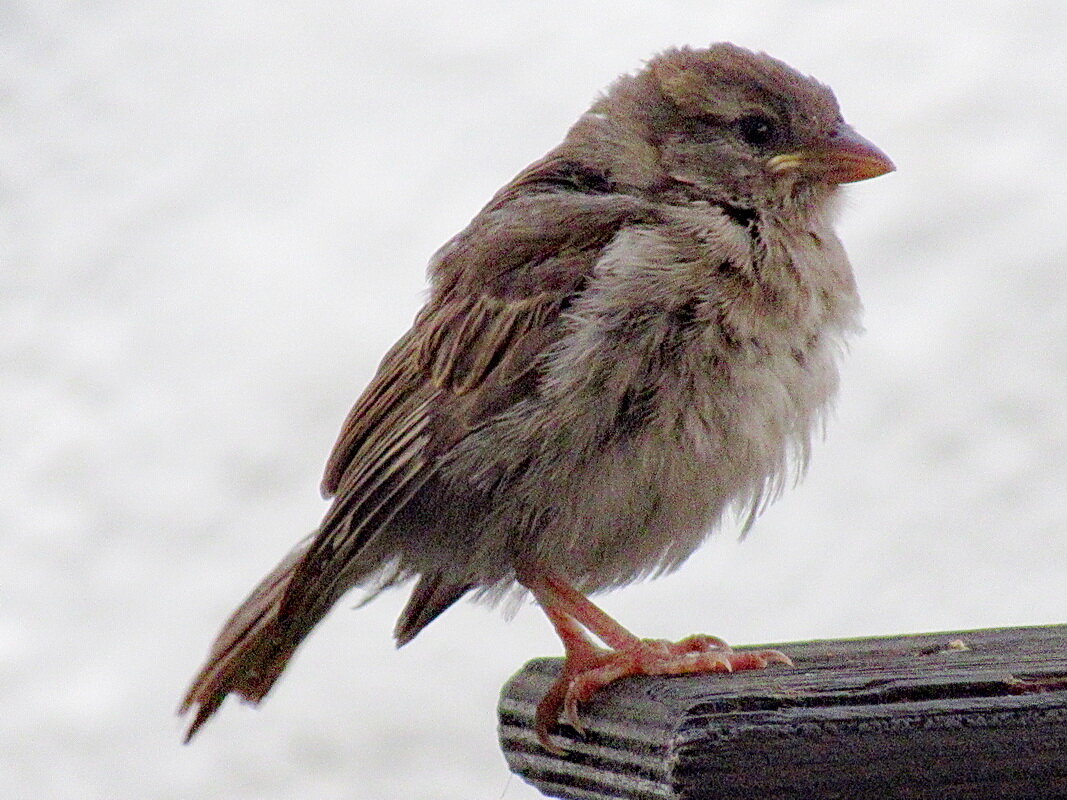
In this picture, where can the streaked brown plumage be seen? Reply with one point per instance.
(636, 334)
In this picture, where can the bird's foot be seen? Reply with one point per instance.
(588, 669)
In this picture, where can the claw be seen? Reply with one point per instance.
(760, 659)
(589, 670)
(589, 667)
(570, 709)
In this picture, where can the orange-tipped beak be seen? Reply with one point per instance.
(845, 157)
(853, 158)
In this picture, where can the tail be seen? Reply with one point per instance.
(253, 647)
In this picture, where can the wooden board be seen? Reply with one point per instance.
(953, 716)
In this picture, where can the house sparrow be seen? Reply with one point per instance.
(637, 334)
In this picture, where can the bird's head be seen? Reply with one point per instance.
(727, 124)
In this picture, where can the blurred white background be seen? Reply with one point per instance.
(214, 219)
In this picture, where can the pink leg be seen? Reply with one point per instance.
(588, 668)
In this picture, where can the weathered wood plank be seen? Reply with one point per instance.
(954, 716)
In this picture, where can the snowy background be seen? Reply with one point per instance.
(214, 219)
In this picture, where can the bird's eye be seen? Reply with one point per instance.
(756, 129)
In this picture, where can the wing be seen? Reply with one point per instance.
(463, 361)
(499, 288)
(473, 351)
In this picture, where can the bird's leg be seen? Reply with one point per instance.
(582, 657)
(588, 667)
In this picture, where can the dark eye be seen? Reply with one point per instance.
(756, 129)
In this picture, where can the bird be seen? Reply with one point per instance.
(637, 337)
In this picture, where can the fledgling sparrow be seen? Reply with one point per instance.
(637, 333)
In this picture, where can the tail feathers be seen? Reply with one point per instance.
(253, 647)
(430, 598)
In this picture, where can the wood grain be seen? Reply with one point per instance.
(955, 716)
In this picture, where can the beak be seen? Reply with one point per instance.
(844, 157)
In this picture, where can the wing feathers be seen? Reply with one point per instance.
(472, 353)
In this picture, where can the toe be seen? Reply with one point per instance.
(548, 714)
(758, 659)
(585, 674)
(699, 643)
